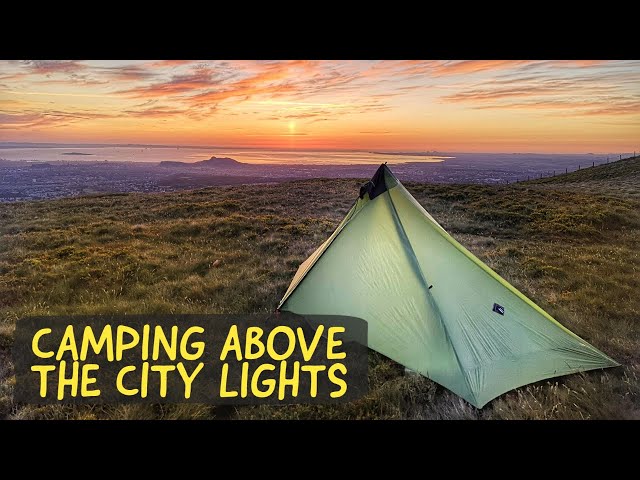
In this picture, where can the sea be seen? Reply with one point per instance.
(154, 154)
(194, 154)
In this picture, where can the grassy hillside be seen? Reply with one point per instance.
(621, 178)
(570, 243)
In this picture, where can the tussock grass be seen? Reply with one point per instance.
(570, 243)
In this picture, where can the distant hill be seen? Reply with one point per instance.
(213, 162)
(621, 177)
(628, 167)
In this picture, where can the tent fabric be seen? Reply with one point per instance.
(431, 305)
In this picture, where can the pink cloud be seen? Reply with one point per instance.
(47, 67)
(169, 63)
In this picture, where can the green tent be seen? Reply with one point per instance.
(431, 305)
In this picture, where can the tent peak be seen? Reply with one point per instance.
(381, 181)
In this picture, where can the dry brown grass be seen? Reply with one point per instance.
(573, 247)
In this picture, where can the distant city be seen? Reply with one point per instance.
(79, 173)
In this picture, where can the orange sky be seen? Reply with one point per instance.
(479, 105)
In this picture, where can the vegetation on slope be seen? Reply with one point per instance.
(621, 178)
(572, 246)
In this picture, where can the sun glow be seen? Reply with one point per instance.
(540, 106)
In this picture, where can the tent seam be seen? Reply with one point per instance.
(428, 293)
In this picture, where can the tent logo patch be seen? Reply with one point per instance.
(498, 309)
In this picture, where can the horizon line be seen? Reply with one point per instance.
(4, 143)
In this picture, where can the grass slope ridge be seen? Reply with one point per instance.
(621, 177)
(235, 249)
(629, 167)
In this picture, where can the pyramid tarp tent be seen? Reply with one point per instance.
(431, 305)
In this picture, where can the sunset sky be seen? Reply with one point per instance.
(474, 106)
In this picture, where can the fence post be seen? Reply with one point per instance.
(566, 170)
(578, 167)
